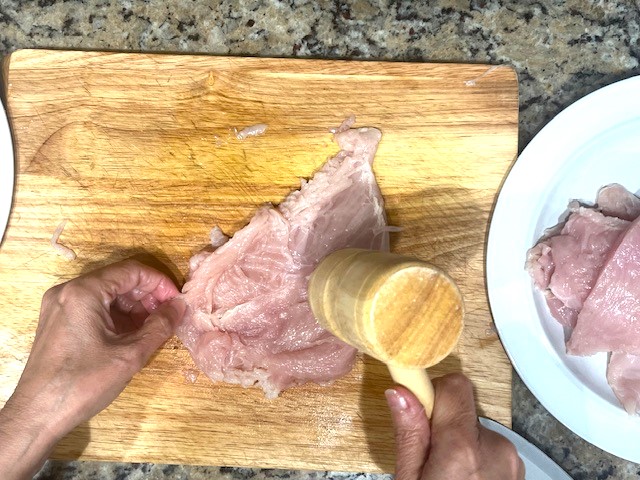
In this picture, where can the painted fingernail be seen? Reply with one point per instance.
(395, 400)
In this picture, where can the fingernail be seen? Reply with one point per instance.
(395, 400)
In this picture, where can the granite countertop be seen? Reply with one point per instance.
(561, 50)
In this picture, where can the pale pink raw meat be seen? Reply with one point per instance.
(615, 200)
(610, 317)
(252, 131)
(619, 207)
(248, 320)
(623, 370)
(565, 266)
(623, 374)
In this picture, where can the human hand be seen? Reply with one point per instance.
(454, 445)
(95, 332)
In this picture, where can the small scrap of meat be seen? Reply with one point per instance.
(217, 237)
(615, 200)
(474, 81)
(610, 317)
(623, 374)
(345, 125)
(60, 249)
(252, 131)
(190, 375)
(248, 320)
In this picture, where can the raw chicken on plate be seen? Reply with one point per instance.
(589, 271)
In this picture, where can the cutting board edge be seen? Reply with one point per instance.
(27, 53)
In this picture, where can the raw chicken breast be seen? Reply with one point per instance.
(623, 374)
(565, 266)
(248, 320)
(610, 317)
(623, 370)
(618, 207)
(615, 200)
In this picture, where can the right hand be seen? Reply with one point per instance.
(454, 445)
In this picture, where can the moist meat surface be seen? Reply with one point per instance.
(588, 269)
(623, 374)
(248, 320)
(566, 265)
(609, 320)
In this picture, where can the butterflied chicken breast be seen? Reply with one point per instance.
(248, 320)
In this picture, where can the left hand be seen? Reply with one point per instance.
(95, 332)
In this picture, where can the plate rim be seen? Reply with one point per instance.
(7, 182)
(527, 451)
(593, 419)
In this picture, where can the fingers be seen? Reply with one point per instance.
(412, 433)
(454, 406)
(505, 460)
(457, 435)
(129, 320)
(134, 279)
(138, 297)
(150, 302)
(157, 328)
(455, 443)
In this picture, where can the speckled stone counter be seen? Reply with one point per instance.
(561, 50)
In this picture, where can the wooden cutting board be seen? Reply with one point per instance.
(139, 153)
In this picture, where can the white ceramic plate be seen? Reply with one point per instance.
(537, 465)
(594, 142)
(6, 171)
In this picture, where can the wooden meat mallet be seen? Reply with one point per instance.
(400, 310)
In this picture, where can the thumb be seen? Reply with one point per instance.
(412, 433)
(158, 327)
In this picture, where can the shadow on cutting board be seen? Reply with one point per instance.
(443, 224)
(156, 259)
(376, 417)
(73, 445)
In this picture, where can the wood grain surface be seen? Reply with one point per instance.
(139, 153)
